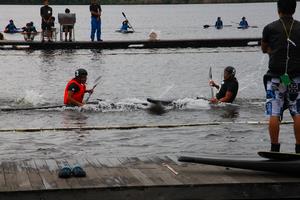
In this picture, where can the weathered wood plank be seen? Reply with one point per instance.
(3, 186)
(33, 175)
(10, 173)
(22, 177)
(92, 177)
(48, 178)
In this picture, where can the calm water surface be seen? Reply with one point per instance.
(38, 78)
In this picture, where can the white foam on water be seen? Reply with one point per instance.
(31, 97)
(194, 104)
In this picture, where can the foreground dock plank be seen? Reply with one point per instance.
(140, 178)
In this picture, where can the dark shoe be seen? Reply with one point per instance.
(275, 147)
(100, 40)
(65, 172)
(77, 171)
(297, 148)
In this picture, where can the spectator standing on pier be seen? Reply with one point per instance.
(47, 21)
(96, 11)
(281, 40)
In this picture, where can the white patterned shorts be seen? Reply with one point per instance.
(280, 97)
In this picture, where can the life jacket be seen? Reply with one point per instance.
(78, 96)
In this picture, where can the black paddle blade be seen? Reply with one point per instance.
(210, 74)
(123, 14)
(206, 26)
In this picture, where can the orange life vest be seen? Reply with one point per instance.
(78, 96)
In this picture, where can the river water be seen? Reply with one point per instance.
(38, 78)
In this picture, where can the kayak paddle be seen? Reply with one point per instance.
(127, 20)
(211, 87)
(207, 25)
(96, 82)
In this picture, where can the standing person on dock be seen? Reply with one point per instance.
(281, 40)
(229, 87)
(219, 23)
(76, 88)
(47, 21)
(96, 11)
(243, 24)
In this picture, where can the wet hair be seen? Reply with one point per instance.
(286, 6)
(67, 10)
(230, 70)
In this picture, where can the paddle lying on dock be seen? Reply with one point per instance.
(127, 20)
(282, 167)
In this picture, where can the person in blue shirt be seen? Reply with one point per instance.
(125, 26)
(11, 28)
(219, 23)
(243, 24)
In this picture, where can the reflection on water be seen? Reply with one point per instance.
(74, 118)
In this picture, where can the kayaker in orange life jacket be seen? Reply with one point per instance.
(76, 88)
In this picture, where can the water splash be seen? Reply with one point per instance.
(30, 98)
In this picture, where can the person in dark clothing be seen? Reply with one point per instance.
(68, 28)
(47, 20)
(229, 87)
(76, 88)
(11, 28)
(219, 23)
(29, 31)
(281, 41)
(96, 11)
(243, 24)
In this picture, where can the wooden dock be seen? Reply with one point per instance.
(142, 44)
(140, 178)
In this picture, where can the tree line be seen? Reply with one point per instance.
(115, 2)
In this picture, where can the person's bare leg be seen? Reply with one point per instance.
(274, 128)
(70, 35)
(296, 119)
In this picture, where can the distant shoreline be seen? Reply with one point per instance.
(127, 2)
